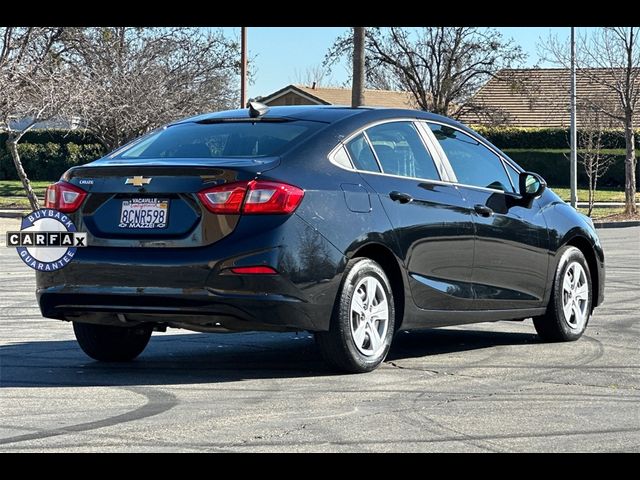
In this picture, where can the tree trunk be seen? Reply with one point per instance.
(592, 192)
(630, 166)
(12, 146)
(357, 89)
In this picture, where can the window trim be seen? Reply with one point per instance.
(373, 150)
(440, 166)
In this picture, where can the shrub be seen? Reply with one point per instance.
(47, 154)
(554, 168)
(544, 138)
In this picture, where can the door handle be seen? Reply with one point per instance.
(483, 210)
(400, 197)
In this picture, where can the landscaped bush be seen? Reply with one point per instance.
(554, 168)
(543, 138)
(48, 154)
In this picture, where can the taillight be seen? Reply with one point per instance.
(224, 198)
(64, 197)
(272, 197)
(254, 197)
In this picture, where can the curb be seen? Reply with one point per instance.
(621, 224)
(12, 214)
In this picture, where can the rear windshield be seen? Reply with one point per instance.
(221, 140)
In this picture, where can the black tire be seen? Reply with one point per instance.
(108, 343)
(337, 345)
(553, 326)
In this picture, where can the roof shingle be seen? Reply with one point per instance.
(538, 97)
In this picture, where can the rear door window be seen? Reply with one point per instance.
(401, 151)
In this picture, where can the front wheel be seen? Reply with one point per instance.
(362, 324)
(569, 307)
(108, 343)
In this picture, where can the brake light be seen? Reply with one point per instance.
(258, 270)
(254, 197)
(224, 199)
(272, 197)
(64, 197)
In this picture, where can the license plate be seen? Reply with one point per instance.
(144, 213)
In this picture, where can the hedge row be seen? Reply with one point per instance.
(47, 154)
(80, 137)
(48, 160)
(554, 168)
(544, 138)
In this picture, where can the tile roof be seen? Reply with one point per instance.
(538, 97)
(342, 96)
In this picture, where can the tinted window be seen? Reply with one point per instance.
(361, 154)
(401, 151)
(225, 139)
(472, 162)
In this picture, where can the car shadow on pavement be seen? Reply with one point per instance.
(437, 341)
(199, 358)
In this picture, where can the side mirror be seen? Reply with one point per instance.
(531, 185)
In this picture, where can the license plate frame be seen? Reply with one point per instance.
(144, 213)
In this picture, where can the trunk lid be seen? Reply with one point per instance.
(153, 202)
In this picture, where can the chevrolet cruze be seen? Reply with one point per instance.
(348, 223)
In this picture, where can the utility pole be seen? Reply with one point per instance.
(243, 67)
(574, 149)
(357, 87)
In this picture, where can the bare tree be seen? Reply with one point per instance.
(441, 66)
(141, 78)
(610, 59)
(316, 75)
(35, 86)
(594, 162)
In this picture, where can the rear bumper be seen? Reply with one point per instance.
(193, 287)
(173, 307)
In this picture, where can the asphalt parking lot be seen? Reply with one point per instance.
(487, 387)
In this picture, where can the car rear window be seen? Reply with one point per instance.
(221, 140)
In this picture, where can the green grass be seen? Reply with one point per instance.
(12, 194)
(606, 151)
(599, 212)
(601, 195)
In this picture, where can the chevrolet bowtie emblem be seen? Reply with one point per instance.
(137, 181)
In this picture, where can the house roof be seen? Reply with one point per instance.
(537, 97)
(342, 96)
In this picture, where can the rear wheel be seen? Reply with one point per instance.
(362, 324)
(569, 307)
(108, 343)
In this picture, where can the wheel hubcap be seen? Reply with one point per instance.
(369, 316)
(575, 296)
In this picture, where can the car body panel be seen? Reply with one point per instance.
(455, 267)
(510, 256)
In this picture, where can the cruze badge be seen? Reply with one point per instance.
(137, 181)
